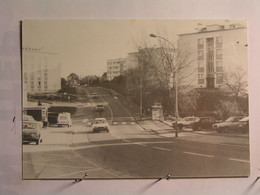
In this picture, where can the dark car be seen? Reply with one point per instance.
(228, 125)
(94, 95)
(187, 122)
(203, 123)
(31, 132)
(99, 108)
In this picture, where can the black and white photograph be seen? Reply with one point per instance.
(134, 99)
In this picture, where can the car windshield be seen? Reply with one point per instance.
(63, 117)
(232, 118)
(99, 121)
(28, 118)
(245, 119)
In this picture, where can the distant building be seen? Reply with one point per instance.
(215, 49)
(115, 67)
(41, 71)
(72, 80)
(131, 60)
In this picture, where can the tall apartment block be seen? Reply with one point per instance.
(214, 50)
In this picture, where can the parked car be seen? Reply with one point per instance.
(187, 122)
(230, 124)
(31, 119)
(94, 95)
(100, 124)
(31, 132)
(243, 125)
(203, 123)
(64, 119)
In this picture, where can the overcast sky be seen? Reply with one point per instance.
(84, 46)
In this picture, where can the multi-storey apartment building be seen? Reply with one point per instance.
(215, 50)
(115, 67)
(41, 71)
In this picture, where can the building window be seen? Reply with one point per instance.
(218, 42)
(219, 55)
(200, 76)
(200, 55)
(219, 66)
(200, 81)
(219, 79)
(210, 67)
(201, 69)
(200, 43)
(219, 69)
(25, 77)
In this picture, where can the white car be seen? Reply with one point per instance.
(100, 124)
(64, 119)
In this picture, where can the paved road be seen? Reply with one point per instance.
(127, 151)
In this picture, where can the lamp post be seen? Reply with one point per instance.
(175, 79)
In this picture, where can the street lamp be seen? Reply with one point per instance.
(176, 84)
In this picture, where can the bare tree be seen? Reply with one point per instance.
(235, 83)
(159, 67)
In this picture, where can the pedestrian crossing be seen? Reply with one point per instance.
(123, 123)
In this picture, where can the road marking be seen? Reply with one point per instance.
(162, 149)
(141, 144)
(114, 123)
(112, 117)
(240, 160)
(197, 154)
(123, 123)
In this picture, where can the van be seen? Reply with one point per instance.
(64, 119)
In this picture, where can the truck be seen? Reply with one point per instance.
(39, 113)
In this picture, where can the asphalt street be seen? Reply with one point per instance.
(129, 150)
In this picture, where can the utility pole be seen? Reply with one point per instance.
(141, 97)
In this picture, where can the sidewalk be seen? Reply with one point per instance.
(164, 129)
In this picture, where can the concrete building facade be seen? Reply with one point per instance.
(41, 71)
(215, 50)
(115, 67)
